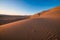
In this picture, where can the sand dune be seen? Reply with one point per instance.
(51, 13)
(4, 19)
(31, 29)
(40, 28)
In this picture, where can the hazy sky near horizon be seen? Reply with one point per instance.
(26, 7)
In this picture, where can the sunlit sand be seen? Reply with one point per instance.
(45, 26)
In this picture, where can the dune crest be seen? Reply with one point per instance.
(51, 13)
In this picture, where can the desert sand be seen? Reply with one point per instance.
(5, 19)
(43, 27)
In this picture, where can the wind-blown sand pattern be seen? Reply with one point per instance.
(43, 27)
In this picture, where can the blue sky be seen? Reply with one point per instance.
(26, 7)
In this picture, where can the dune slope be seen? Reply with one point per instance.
(40, 28)
(32, 29)
(51, 13)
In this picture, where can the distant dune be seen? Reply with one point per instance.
(43, 27)
(4, 19)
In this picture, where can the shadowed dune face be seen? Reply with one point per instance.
(4, 19)
(31, 29)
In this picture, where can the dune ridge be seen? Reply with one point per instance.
(51, 13)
